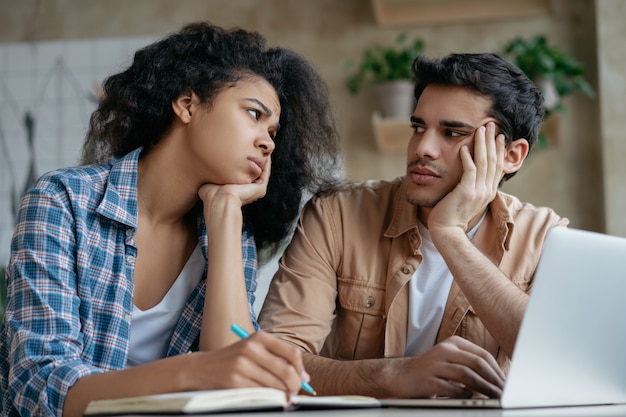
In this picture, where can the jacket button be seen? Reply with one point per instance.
(407, 269)
(369, 302)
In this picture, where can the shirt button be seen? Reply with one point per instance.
(369, 302)
(129, 232)
(407, 269)
(130, 259)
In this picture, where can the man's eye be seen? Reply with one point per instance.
(457, 133)
(255, 114)
(417, 128)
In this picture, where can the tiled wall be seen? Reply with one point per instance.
(47, 92)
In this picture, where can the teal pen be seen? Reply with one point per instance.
(239, 331)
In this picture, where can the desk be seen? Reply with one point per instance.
(588, 411)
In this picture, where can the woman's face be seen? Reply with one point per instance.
(230, 141)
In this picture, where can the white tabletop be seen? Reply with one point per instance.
(587, 411)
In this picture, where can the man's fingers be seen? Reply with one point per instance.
(479, 352)
(471, 366)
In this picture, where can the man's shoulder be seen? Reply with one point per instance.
(353, 192)
(518, 209)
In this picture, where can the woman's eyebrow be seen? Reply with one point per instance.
(266, 109)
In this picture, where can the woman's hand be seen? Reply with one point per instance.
(242, 193)
(259, 360)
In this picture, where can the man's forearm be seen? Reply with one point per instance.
(357, 377)
(498, 302)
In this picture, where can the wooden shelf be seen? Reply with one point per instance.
(392, 135)
(425, 12)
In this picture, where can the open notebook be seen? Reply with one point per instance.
(572, 343)
(223, 401)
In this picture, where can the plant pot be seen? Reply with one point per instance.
(396, 99)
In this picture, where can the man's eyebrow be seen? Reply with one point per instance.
(266, 109)
(445, 123)
(456, 124)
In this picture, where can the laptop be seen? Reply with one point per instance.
(571, 347)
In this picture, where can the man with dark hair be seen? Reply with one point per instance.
(416, 287)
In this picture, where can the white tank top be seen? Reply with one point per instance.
(428, 294)
(151, 330)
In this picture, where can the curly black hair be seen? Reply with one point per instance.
(517, 104)
(136, 111)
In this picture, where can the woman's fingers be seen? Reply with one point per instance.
(276, 363)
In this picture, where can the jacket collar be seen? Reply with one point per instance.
(119, 202)
(404, 214)
(499, 220)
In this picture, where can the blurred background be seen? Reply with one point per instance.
(580, 173)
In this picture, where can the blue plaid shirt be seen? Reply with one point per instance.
(70, 282)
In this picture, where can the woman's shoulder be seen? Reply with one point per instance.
(73, 178)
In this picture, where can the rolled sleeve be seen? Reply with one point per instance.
(300, 304)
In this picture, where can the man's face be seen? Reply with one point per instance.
(444, 120)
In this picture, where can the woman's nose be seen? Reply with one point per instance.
(267, 144)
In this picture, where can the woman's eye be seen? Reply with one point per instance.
(255, 114)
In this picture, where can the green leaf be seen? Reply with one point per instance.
(384, 63)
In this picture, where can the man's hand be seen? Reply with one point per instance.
(455, 367)
(478, 185)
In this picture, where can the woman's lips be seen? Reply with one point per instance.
(257, 165)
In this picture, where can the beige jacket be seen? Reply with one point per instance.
(341, 288)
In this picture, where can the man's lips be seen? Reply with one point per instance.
(423, 176)
(420, 170)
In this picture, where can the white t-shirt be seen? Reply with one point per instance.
(428, 294)
(151, 330)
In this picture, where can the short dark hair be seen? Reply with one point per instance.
(517, 104)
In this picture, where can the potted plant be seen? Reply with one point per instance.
(555, 73)
(388, 69)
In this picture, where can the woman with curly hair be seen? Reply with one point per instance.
(127, 272)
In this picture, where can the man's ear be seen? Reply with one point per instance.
(515, 155)
(183, 105)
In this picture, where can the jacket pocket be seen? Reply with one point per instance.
(360, 323)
